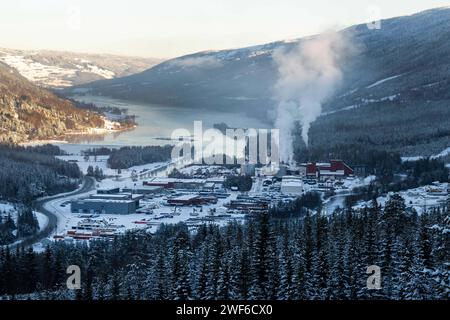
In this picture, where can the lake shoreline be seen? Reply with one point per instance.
(63, 139)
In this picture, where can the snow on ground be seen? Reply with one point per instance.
(41, 142)
(7, 208)
(49, 75)
(338, 201)
(354, 106)
(37, 72)
(383, 99)
(364, 102)
(355, 182)
(107, 74)
(62, 216)
(442, 154)
(67, 219)
(412, 159)
(420, 199)
(42, 219)
(83, 164)
(383, 81)
(102, 163)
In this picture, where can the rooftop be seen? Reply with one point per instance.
(185, 197)
(102, 201)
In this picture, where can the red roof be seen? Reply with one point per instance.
(311, 168)
(332, 166)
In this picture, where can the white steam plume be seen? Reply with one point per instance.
(307, 76)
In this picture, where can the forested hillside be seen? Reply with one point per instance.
(28, 112)
(27, 173)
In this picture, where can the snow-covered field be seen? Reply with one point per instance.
(102, 163)
(83, 164)
(49, 75)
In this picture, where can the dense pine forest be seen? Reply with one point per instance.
(269, 257)
(27, 173)
(127, 157)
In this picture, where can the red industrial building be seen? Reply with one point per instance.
(333, 170)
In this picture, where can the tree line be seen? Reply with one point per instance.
(127, 157)
(244, 183)
(25, 225)
(309, 257)
(27, 173)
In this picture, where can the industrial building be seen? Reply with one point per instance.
(104, 206)
(157, 182)
(248, 205)
(186, 200)
(189, 184)
(107, 203)
(118, 196)
(108, 191)
(333, 170)
(292, 185)
(169, 183)
(144, 190)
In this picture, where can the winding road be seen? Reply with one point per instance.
(39, 205)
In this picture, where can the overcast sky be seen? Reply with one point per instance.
(170, 28)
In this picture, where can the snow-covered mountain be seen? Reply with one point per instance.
(401, 70)
(56, 69)
(406, 54)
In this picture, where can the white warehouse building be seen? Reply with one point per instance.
(291, 185)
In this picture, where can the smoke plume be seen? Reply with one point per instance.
(308, 75)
